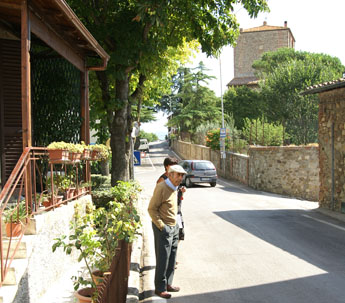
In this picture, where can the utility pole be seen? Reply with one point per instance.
(222, 133)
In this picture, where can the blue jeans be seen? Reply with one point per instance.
(166, 242)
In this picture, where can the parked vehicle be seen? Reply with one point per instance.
(144, 145)
(199, 171)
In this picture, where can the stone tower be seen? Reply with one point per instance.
(251, 44)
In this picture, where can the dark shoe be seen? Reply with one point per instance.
(173, 288)
(163, 294)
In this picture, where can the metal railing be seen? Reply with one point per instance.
(33, 181)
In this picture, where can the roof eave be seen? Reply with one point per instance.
(323, 88)
(64, 7)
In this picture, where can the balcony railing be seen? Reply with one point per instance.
(36, 185)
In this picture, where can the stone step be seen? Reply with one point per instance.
(30, 228)
(21, 252)
(10, 286)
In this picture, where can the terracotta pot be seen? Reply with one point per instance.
(70, 193)
(79, 191)
(84, 295)
(86, 154)
(13, 229)
(75, 157)
(47, 203)
(58, 155)
(58, 199)
(95, 155)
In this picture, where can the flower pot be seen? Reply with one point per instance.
(86, 154)
(95, 155)
(47, 203)
(58, 199)
(70, 192)
(13, 229)
(75, 157)
(84, 295)
(58, 155)
(78, 191)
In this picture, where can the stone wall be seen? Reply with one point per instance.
(236, 165)
(291, 171)
(44, 266)
(331, 115)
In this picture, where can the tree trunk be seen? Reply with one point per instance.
(120, 137)
(104, 167)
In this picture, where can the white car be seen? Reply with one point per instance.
(144, 145)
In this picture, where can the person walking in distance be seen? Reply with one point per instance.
(163, 212)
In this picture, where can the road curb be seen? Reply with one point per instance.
(134, 279)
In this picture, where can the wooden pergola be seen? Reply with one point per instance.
(54, 23)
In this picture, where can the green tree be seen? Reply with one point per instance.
(137, 35)
(243, 102)
(151, 137)
(284, 80)
(195, 103)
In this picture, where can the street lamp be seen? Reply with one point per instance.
(222, 133)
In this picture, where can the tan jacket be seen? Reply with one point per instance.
(163, 206)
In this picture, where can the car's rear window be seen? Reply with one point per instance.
(203, 165)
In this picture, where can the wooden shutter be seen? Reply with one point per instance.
(10, 105)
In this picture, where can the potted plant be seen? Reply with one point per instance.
(14, 218)
(85, 186)
(54, 190)
(41, 198)
(119, 220)
(75, 152)
(58, 152)
(65, 187)
(82, 238)
(86, 152)
(99, 152)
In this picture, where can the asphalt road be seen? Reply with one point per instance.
(243, 245)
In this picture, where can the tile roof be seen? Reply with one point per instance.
(243, 81)
(325, 86)
(264, 28)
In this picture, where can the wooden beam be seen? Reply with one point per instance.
(41, 30)
(10, 4)
(25, 72)
(26, 93)
(85, 115)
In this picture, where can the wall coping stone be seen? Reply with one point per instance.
(265, 148)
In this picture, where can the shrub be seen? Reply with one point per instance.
(260, 132)
(213, 139)
(123, 192)
(100, 182)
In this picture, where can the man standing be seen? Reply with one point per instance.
(163, 212)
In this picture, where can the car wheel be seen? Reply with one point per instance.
(188, 183)
(213, 184)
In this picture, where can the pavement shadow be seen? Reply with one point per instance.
(294, 231)
(290, 291)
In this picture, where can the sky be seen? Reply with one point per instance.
(317, 26)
